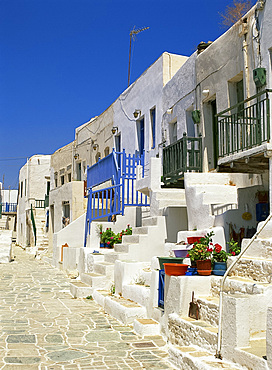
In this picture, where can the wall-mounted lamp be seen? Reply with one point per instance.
(95, 146)
(136, 113)
(169, 111)
(206, 92)
(76, 156)
(114, 130)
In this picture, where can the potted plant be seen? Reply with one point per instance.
(219, 259)
(234, 248)
(100, 233)
(201, 254)
(108, 237)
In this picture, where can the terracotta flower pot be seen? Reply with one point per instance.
(204, 267)
(175, 269)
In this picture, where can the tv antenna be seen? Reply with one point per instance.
(132, 36)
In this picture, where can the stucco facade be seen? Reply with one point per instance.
(34, 180)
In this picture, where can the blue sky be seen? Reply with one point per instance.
(65, 61)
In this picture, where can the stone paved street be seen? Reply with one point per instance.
(43, 327)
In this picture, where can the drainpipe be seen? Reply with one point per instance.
(219, 337)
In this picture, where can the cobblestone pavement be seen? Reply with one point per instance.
(43, 327)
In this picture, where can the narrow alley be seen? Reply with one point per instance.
(43, 327)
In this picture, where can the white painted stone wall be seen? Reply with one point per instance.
(33, 178)
(145, 94)
(269, 337)
(9, 196)
(5, 246)
(72, 192)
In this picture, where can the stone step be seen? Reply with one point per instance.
(130, 239)
(168, 194)
(260, 248)
(144, 327)
(236, 284)
(121, 248)
(80, 290)
(194, 357)
(216, 193)
(209, 309)
(150, 221)
(253, 354)
(185, 331)
(112, 257)
(96, 281)
(257, 269)
(104, 268)
(120, 308)
(137, 293)
(140, 230)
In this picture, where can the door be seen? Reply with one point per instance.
(215, 133)
(141, 136)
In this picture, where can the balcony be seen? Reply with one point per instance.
(243, 126)
(185, 155)
(8, 208)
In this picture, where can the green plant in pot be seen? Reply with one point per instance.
(219, 259)
(201, 254)
(234, 248)
(108, 237)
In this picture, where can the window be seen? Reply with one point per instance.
(153, 127)
(25, 187)
(97, 156)
(56, 179)
(69, 177)
(78, 171)
(118, 143)
(47, 187)
(21, 189)
(140, 135)
(236, 92)
(173, 132)
(62, 179)
(107, 151)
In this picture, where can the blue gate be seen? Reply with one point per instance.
(161, 289)
(120, 169)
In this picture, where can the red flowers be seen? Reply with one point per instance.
(233, 253)
(217, 248)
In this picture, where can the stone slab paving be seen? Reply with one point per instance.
(43, 327)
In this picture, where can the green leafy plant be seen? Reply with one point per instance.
(202, 250)
(112, 289)
(218, 254)
(108, 237)
(89, 297)
(234, 248)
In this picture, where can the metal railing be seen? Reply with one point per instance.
(244, 125)
(185, 155)
(8, 208)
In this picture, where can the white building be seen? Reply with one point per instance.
(32, 212)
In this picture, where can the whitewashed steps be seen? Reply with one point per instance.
(257, 269)
(209, 309)
(185, 331)
(96, 281)
(144, 327)
(196, 358)
(122, 309)
(236, 284)
(104, 268)
(80, 290)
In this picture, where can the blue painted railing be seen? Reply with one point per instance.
(8, 207)
(120, 168)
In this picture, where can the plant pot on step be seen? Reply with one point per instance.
(219, 268)
(204, 267)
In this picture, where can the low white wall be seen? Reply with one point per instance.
(73, 235)
(5, 246)
(269, 337)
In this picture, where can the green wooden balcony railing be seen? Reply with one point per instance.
(244, 125)
(185, 155)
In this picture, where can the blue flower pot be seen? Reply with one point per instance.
(103, 245)
(219, 268)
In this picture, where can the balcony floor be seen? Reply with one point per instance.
(254, 160)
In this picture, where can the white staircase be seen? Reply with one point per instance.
(211, 194)
(247, 297)
(41, 234)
